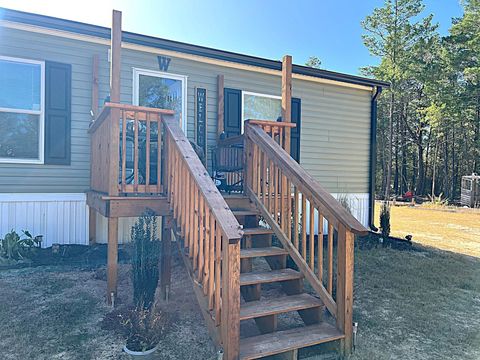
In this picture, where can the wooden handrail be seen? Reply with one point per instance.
(215, 201)
(299, 177)
(270, 123)
(211, 233)
(283, 191)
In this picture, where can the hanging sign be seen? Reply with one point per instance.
(201, 119)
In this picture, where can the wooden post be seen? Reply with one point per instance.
(92, 225)
(115, 63)
(95, 86)
(112, 259)
(287, 97)
(220, 105)
(115, 50)
(345, 287)
(231, 300)
(166, 257)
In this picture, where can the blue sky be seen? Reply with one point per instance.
(328, 29)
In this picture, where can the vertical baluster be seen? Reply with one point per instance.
(218, 266)
(295, 218)
(159, 152)
(270, 186)
(304, 227)
(195, 227)
(281, 217)
(280, 137)
(201, 237)
(289, 209)
(312, 235)
(320, 247)
(135, 159)
(211, 257)
(206, 250)
(188, 207)
(192, 229)
(264, 178)
(124, 151)
(147, 153)
(330, 258)
(275, 189)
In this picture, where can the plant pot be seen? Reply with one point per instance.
(144, 355)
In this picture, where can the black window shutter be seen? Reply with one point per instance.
(232, 112)
(295, 133)
(58, 103)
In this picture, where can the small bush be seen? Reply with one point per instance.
(385, 219)
(145, 261)
(15, 247)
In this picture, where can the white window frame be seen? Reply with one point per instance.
(259, 95)
(41, 113)
(183, 78)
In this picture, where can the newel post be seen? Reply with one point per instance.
(115, 63)
(230, 314)
(345, 253)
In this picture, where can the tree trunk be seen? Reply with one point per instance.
(390, 147)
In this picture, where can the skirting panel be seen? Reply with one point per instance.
(60, 218)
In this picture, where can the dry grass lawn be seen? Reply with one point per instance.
(452, 229)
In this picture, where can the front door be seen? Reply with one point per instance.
(161, 90)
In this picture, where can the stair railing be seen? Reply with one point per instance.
(287, 195)
(210, 231)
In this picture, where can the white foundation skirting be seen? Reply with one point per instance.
(60, 218)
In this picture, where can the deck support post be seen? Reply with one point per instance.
(166, 257)
(112, 259)
(230, 313)
(345, 252)
(92, 225)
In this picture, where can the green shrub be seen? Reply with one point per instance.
(385, 219)
(14, 247)
(145, 260)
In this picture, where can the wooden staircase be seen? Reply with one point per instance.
(236, 248)
(264, 264)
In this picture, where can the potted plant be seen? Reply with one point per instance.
(144, 323)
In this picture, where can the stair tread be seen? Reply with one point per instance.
(277, 305)
(280, 341)
(244, 212)
(257, 231)
(264, 251)
(265, 277)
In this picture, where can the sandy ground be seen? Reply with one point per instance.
(55, 312)
(451, 229)
(409, 305)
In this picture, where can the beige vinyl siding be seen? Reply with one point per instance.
(74, 178)
(335, 120)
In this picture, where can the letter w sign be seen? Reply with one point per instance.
(163, 63)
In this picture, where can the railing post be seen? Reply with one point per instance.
(230, 314)
(247, 159)
(345, 252)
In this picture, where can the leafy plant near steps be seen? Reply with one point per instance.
(16, 247)
(145, 260)
(385, 219)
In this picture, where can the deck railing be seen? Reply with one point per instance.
(126, 147)
(286, 195)
(210, 231)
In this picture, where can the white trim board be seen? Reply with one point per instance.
(40, 113)
(160, 74)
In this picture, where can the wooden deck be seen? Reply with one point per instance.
(222, 237)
